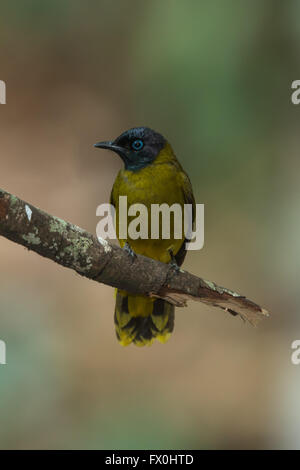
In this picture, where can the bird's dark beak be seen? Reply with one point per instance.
(105, 145)
(111, 146)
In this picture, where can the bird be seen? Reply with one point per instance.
(151, 175)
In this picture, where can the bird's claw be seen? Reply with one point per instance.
(129, 251)
(173, 262)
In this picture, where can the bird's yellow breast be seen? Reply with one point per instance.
(157, 183)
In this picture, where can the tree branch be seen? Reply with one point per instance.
(96, 259)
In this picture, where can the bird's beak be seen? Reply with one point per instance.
(106, 145)
(111, 146)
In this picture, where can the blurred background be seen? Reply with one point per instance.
(215, 79)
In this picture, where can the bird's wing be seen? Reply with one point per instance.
(188, 197)
(188, 194)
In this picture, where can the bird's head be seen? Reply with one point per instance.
(138, 147)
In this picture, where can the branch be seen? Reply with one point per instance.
(96, 259)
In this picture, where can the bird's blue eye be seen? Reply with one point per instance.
(137, 144)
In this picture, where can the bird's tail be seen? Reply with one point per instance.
(141, 320)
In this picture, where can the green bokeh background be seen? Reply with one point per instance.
(215, 78)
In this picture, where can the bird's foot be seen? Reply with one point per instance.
(129, 250)
(173, 262)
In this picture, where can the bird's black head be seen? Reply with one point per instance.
(138, 147)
